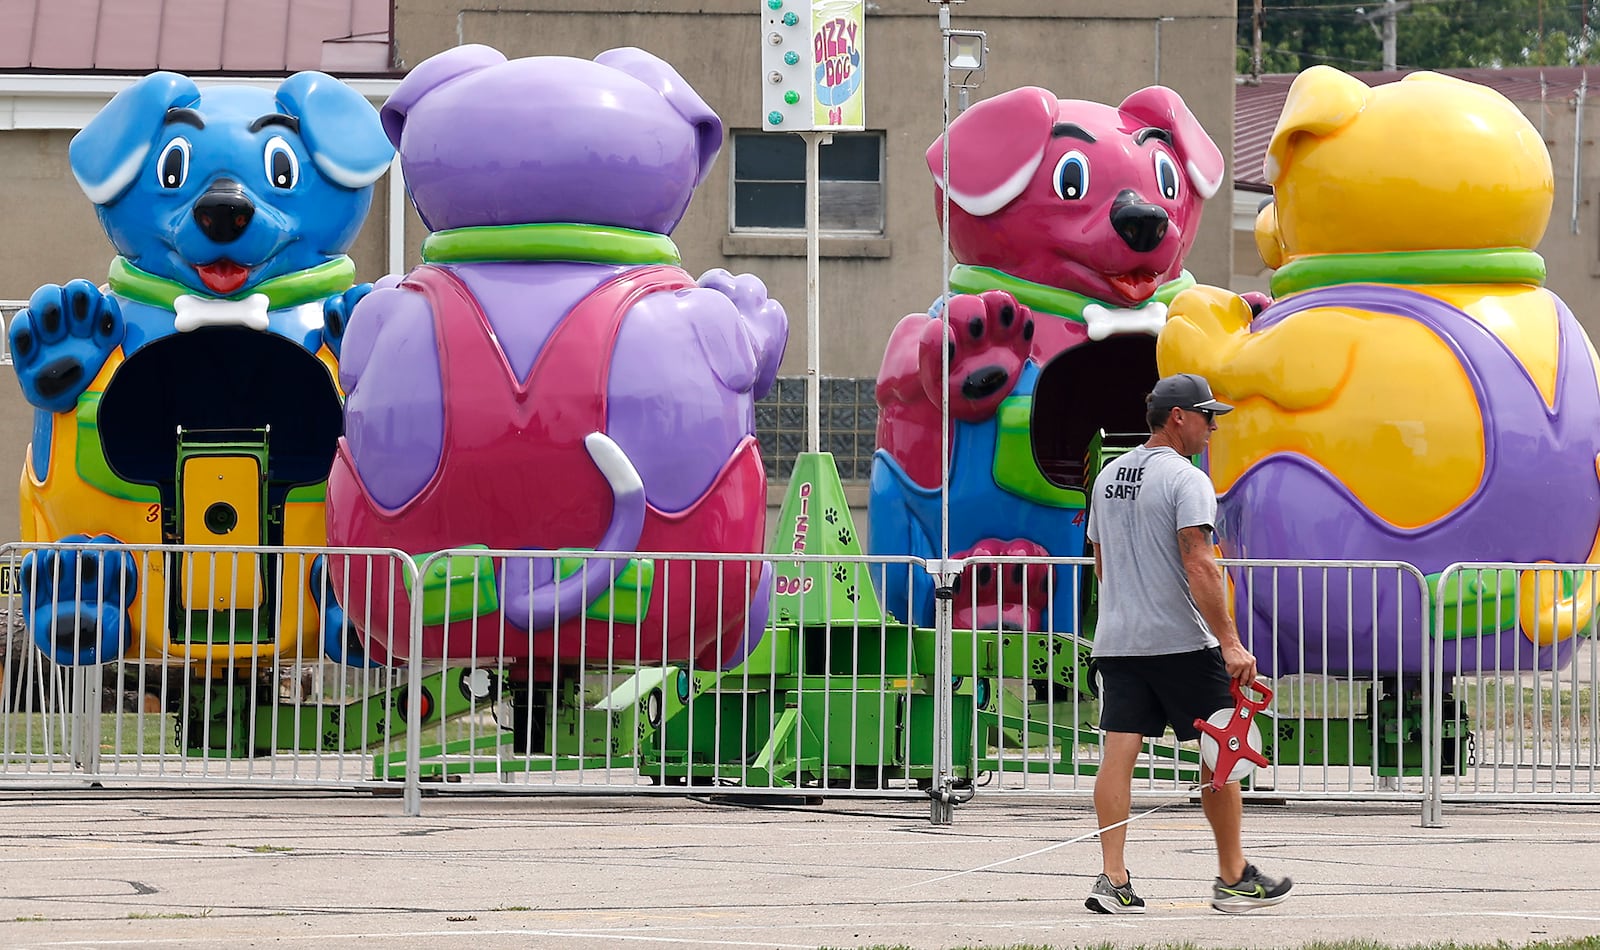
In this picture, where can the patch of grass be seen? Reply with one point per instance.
(152, 734)
(35, 918)
(31, 733)
(515, 907)
(270, 849)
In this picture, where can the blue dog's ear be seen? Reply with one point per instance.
(107, 155)
(340, 128)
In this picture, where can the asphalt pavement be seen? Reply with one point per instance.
(108, 869)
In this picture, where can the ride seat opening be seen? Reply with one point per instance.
(1087, 389)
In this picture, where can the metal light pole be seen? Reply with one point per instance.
(963, 50)
(814, 288)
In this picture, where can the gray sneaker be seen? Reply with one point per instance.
(1252, 890)
(1108, 898)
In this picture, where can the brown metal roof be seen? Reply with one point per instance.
(1256, 107)
(195, 36)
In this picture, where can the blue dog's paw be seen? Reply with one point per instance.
(60, 342)
(340, 642)
(76, 601)
(336, 315)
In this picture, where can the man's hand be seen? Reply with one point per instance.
(1241, 664)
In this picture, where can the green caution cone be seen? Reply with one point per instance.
(816, 520)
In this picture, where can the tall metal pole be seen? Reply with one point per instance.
(1390, 11)
(941, 810)
(1255, 42)
(813, 285)
(1577, 152)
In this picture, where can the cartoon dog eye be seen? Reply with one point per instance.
(173, 168)
(1166, 175)
(1072, 176)
(283, 168)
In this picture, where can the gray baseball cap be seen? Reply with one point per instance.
(1186, 391)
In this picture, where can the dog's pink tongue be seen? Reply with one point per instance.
(223, 277)
(1137, 286)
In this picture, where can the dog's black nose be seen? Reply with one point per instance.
(223, 212)
(1140, 224)
(984, 382)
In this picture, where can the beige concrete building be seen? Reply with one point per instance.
(881, 253)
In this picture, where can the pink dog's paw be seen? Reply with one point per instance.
(1002, 596)
(1257, 301)
(989, 338)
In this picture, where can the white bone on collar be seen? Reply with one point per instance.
(191, 312)
(1106, 321)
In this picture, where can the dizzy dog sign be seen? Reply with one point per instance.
(838, 76)
(813, 65)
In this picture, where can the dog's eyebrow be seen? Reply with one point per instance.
(276, 118)
(1141, 136)
(1071, 130)
(187, 116)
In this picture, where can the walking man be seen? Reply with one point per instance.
(1165, 645)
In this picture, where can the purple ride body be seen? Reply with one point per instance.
(620, 142)
(1287, 505)
(395, 425)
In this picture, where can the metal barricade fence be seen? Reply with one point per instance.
(1514, 656)
(1342, 642)
(153, 665)
(575, 672)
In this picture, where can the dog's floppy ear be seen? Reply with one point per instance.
(995, 146)
(658, 75)
(107, 155)
(1163, 108)
(1321, 100)
(339, 127)
(429, 75)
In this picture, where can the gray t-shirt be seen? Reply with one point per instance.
(1140, 501)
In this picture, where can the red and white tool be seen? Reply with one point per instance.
(1230, 743)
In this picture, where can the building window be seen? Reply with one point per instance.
(769, 183)
(848, 425)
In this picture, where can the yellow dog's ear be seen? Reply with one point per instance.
(1321, 100)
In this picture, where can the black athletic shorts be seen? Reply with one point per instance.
(1144, 694)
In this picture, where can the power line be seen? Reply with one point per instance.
(1329, 57)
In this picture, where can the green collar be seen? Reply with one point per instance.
(581, 243)
(1496, 265)
(288, 290)
(966, 279)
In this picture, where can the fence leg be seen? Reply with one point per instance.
(941, 810)
(411, 797)
(86, 718)
(1433, 738)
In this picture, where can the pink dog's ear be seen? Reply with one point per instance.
(995, 146)
(1162, 108)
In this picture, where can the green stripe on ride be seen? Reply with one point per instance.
(583, 243)
(1498, 265)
